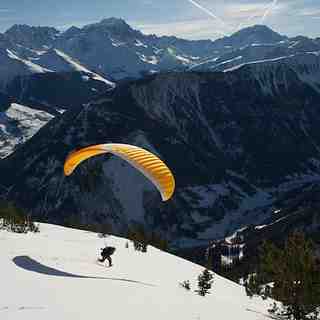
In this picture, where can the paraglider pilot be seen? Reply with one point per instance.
(106, 254)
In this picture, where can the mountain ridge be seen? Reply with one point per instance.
(132, 54)
(233, 150)
(254, 146)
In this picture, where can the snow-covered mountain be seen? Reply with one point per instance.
(258, 52)
(114, 50)
(233, 152)
(257, 34)
(54, 275)
(21, 56)
(110, 48)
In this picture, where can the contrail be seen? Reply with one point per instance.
(269, 9)
(207, 11)
(256, 15)
(244, 23)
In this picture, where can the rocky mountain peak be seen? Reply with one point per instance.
(71, 32)
(113, 22)
(114, 27)
(31, 37)
(260, 33)
(257, 34)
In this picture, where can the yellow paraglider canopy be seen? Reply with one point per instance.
(146, 162)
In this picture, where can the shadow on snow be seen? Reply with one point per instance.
(27, 263)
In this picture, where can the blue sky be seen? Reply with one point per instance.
(191, 19)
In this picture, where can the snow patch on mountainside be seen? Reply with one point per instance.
(138, 43)
(34, 68)
(183, 59)
(18, 124)
(255, 62)
(203, 62)
(247, 211)
(117, 43)
(226, 62)
(80, 68)
(148, 59)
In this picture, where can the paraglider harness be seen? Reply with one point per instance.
(106, 254)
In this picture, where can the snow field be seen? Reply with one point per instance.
(54, 274)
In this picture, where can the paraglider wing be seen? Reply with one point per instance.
(146, 162)
(76, 157)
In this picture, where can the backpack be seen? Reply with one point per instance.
(108, 251)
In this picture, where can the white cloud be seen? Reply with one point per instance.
(241, 11)
(309, 12)
(228, 17)
(189, 29)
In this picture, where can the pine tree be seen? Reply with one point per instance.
(294, 274)
(205, 280)
(139, 238)
(252, 285)
(14, 219)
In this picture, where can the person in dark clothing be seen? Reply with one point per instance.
(106, 254)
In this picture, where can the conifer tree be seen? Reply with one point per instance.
(295, 277)
(205, 280)
(138, 236)
(14, 219)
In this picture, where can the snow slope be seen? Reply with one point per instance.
(34, 68)
(80, 68)
(54, 275)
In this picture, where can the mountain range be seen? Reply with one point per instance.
(44, 68)
(115, 51)
(236, 119)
